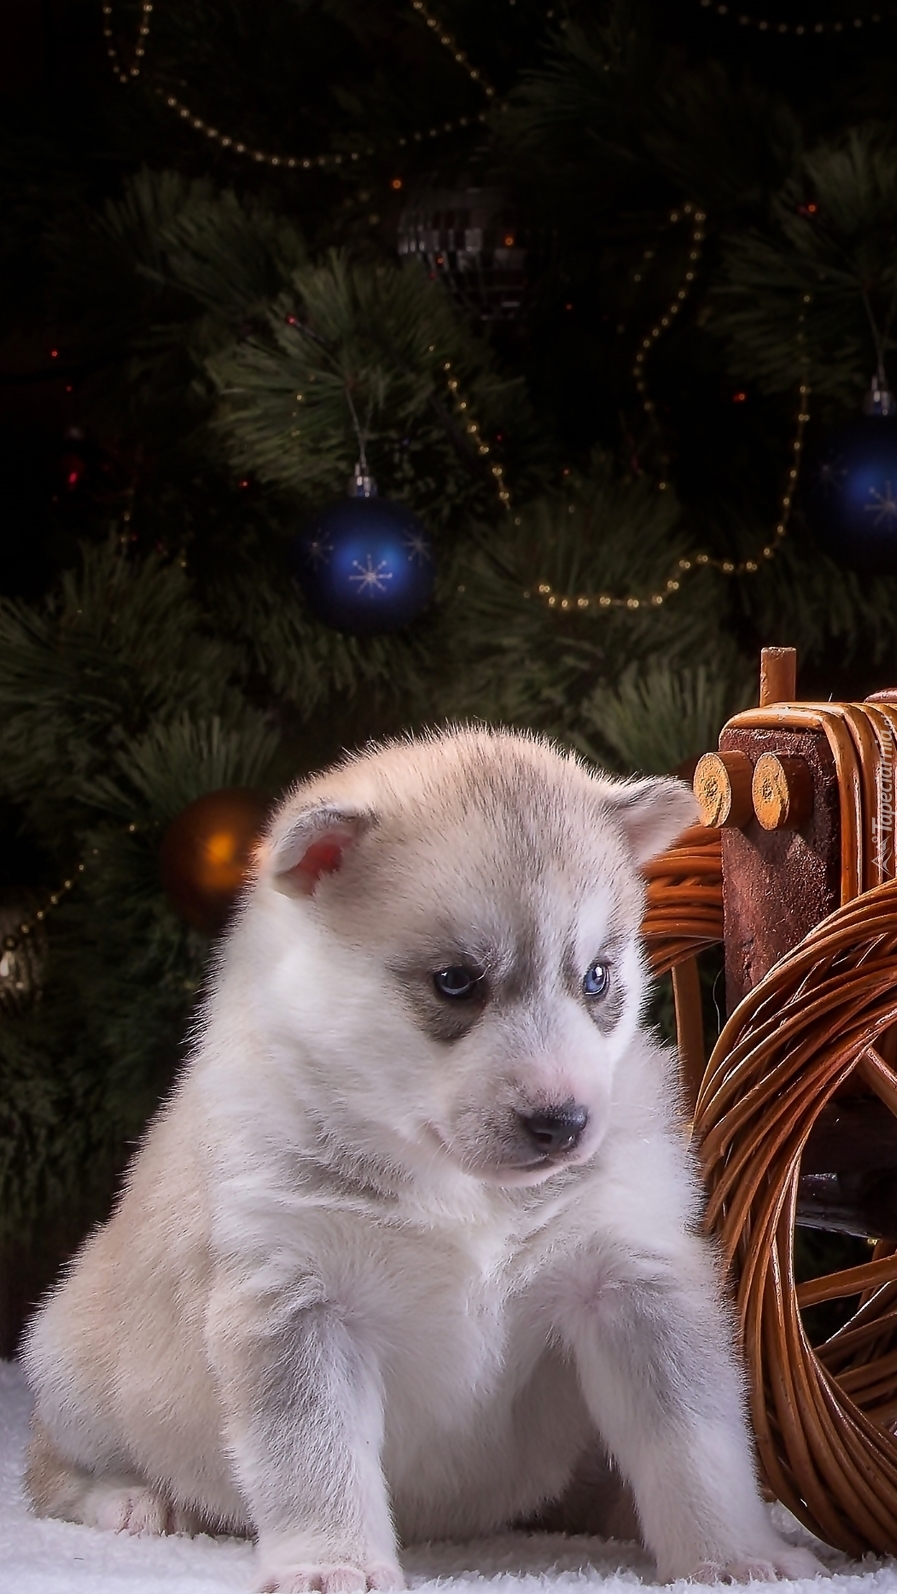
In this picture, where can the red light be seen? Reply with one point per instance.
(54, 354)
(811, 209)
(738, 398)
(243, 482)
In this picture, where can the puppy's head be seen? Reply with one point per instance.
(457, 949)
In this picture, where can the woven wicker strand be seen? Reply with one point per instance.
(813, 1026)
(684, 915)
(684, 912)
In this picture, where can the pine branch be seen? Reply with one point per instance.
(118, 647)
(383, 335)
(655, 719)
(829, 256)
(531, 664)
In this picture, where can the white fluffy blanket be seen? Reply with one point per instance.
(59, 1558)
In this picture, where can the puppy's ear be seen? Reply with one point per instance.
(312, 845)
(653, 812)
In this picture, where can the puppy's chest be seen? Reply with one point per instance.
(464, 1326)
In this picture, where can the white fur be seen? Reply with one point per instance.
(342, 1304)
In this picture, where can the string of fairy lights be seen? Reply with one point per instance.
(697, 219)
(126, 74)
(602, 601)
(307, 162)
(263, 157)
(799, 29)
(227, 141)
(28, 927)
(583, 602)
(475, 432)
(13, 940)
(451, 44)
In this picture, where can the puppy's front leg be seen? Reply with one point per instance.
(660, 1378)
(304, 1426)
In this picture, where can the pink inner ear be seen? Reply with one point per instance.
(322, 857)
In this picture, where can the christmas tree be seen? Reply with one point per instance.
(583, 289)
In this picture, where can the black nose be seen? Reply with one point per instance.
(555, 1131)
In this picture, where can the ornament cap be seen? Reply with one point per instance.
(879, 400)
(361, 483)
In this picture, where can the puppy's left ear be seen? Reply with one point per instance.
(312, 845)
(653, 812)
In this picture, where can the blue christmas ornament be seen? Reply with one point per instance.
(365, 563)
(850, 488)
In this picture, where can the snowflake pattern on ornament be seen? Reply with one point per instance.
(371, 579)
(419, 550)
(319, 551)
(884, 509)
(832, 473)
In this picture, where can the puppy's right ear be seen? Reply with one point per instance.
(313, 845)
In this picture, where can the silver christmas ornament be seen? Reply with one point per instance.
(473, 239)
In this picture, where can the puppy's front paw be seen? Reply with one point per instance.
(337, 1578)
(122, 1507)
(776, 1561)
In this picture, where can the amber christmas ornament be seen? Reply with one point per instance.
(206, 853)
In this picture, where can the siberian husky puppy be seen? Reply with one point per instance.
(413, 1248)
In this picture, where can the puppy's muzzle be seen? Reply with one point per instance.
(557, 1131)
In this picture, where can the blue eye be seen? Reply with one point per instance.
(458, 983)
(596, 979)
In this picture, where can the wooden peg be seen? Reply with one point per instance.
(722, 785)
(778, 676)
(782, 792)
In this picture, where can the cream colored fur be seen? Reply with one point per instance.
(349, 1298)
